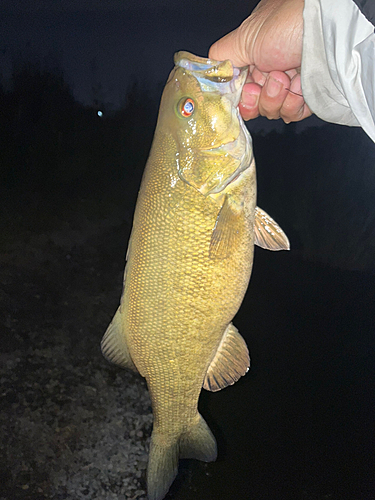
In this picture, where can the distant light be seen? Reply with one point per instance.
(100, 113)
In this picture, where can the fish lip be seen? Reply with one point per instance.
(192, 62)
(213, 75)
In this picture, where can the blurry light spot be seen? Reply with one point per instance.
(100, 113)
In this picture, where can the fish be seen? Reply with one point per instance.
(189, 260)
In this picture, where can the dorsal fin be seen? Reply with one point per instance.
(267, 233)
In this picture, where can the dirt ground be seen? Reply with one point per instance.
(71, 425)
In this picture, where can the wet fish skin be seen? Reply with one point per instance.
(189, 261)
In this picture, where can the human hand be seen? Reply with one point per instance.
(269, 41)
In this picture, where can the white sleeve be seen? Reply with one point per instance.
(338, 63)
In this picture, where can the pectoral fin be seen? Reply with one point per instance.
(230, 363)
(226, 231)
(267, 233)
(113, 345)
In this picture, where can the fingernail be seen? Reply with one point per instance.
(273, 87)
(249, 100)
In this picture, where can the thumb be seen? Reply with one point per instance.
(232, 47)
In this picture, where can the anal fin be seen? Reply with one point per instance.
(113, 344)
(230, 363)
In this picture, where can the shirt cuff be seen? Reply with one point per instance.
(338, 71)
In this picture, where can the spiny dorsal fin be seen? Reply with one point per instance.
(114, 346)
(267, 233)
(225, 233)
(231, 361)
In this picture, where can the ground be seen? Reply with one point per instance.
(72, 425)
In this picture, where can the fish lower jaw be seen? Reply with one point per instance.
(240, 150)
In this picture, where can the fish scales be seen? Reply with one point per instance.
(187, 299)
(189, 260)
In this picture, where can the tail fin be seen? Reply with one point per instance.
(162, 468)
(198, 442)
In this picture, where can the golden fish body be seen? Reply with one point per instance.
(189, 260)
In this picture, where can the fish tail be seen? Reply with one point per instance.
(197, 442)
(162, 467)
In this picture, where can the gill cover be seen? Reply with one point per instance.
(213, 145)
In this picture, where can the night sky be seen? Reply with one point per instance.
(107, 43)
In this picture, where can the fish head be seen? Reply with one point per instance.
(199, 110)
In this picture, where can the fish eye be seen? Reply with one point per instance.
(186, 107)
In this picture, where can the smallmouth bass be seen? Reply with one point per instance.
(189, 260)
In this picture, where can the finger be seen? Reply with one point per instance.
(294, 108)
(258, 76)
(248, 105)
(230, 47)
(273, 94)
(249, 76)
(292, 73)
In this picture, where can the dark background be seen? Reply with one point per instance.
(300, 425)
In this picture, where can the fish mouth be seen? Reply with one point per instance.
(227, 80)
(212, 75)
